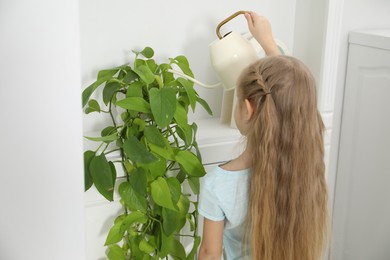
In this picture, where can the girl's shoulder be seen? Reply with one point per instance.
(241, 163)
(220, 174)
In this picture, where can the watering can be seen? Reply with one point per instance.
(231, 53)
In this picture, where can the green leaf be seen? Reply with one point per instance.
(133, 217)
(191, 219)
(170, 220)
(115, 252)
(133, 200)
(134, 103)
(184, 205)
(159, 81)
(180, 115)
(144, 73)
(145, 247)
(103, 76)
(154, 136)
(135, 89)
(147, 257)
(107, 138)
(102, 176)
(183, 60)
(189, 90)
(163, 105)
(194, 250)
(139, 62)
(173, 220)
(113, 171)
(164, 152)
(152, 65)
(89, 110)
(129, 167)
(88, 155)
(158, 168)
(119, 219)
(137, 152)
(108, 131)
(166, 245)
(181, 176)
(183, 100)
(198, 154)
(185, 133)
(194, 143)
(194, 184)
(205, 105)
(93, 106)
(183, 64)
(130, 76)
(161, 193)
(125, 116)
(87, 92)
(174, 188)
(134, 241)
(137, 180)
(177, 251)
(109, 91)
(190, 163)
(147, 52)
(140, 123)
(167, 76)
(114, 235)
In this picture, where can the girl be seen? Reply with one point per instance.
(270, 203)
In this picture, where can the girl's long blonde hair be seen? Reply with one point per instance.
(288, 209)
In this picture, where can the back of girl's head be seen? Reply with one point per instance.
(287, 216)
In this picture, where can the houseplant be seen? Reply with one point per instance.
(157, 151)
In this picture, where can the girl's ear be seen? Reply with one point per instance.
(249, 109)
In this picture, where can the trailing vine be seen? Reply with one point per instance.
(157, 151)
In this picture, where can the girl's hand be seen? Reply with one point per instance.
(261, 30)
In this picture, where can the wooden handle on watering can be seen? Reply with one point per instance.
(227, 20)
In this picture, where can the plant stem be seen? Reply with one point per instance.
(113, 151)
(121, 150)
(112, 116)
(183, 235)
(105, 148)
(99, 147)
(173, 135)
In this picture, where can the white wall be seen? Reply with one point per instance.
(41, 187)
(111, 29)
(309, 34)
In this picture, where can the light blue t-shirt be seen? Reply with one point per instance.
(224, 196)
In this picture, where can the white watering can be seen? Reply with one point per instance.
(232, 53)
(229, 55)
